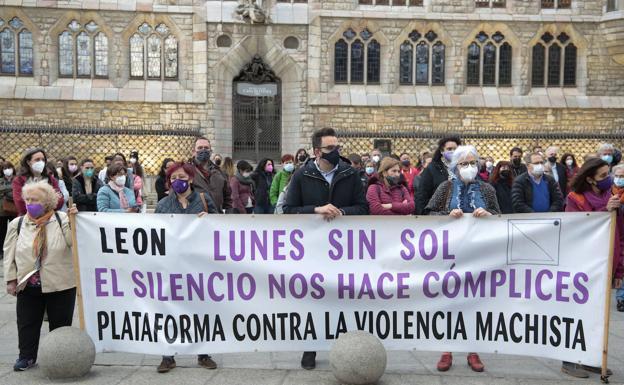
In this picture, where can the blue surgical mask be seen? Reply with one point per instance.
(618, 181)
(370, 170)
(607, 158)
(289, 167)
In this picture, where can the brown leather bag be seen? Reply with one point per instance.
(8, 208)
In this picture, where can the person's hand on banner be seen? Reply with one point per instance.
(617, 283)
(481, 212)
(456, 213)
(387, 206)
(73, 210)
(12, 287)
(614, 203)
(202, 214)
(328, 211)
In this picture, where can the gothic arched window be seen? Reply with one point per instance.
(427, 52)
(153, 53)
(357, 58)
(16, 48)
(554, 61)
(489, 61)
(83, 51)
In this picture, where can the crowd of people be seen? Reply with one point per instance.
(452, 180)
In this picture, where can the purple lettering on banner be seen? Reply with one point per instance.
(276, 284)
(434, 245)
(161, 295)
(497, 282)
(335, 244)
(369, 244)
(584, 293)
(445, 284)
(562, 286)
(116, 291)
(445, 246)
(175, 287)
(237, 257)
(241, 286)
(99, 281)
(278, 244)
(538, 284)
(380, 285)
(411, 252)
(261, 245)
(402, 287)
(211, 292)
(512, 285)
(140, 291)
(216, 242)
(342, 286)
(426, 290)
(294, 234)
(527, 283)
(315, 282)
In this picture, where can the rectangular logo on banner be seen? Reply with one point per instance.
(524, 284)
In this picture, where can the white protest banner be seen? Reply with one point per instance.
(523, 284)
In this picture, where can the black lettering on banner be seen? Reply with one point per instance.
(185, 325)
(512, 328)
(105, 248)
(119, 241)
(484, 327)
(501, 328)
(555, 340)
(579, 336)
(139, 239)
(103, 322)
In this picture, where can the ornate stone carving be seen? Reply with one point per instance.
(257, 72)
(250, 12)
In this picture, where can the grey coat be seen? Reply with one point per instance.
(171, 205)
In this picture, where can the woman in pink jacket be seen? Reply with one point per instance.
(386, 194)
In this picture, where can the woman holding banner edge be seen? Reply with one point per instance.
(463, 194)
(182, 199)
(38, 268)
(591, 191)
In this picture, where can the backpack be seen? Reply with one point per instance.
(21, 220)
(279, 206)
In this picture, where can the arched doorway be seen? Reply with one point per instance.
(256, 112)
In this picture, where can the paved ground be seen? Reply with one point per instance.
(404, 367)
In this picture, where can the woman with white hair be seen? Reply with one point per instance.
(38, 268)
(463, 193)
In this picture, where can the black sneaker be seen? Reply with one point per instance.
(166, 364)
(308, 360)
(620, 305)
(23, 364)
(573, 370)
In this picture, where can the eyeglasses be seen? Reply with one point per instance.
(466, 164)
(332, 148)
(536, 163)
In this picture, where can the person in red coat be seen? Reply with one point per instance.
(385, 195)
(32, 169)
(409, 172)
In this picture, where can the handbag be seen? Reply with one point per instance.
(8, 208)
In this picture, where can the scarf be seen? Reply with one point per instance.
(619, 191)
(466, 197)
(243, 180)
(40, 243)
(123, 201)
(598, 202)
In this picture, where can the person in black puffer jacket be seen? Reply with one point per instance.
(263, 177)
(436, 173)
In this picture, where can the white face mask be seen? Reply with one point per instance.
(133, 160)
(376, 158)
(488, 164)
(469, 173)
(38, 166)
(538, 170)
(8, 172)
(246, 174)
(569, 162)
(120, 180)
(72, 168)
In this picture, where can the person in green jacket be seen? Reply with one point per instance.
(281, 180)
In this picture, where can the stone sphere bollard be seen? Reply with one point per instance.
(358, 358)
(66, 352)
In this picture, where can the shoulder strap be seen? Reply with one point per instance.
(58, 220)
(19, 224)
(203, 199)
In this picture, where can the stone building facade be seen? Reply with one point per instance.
(297, 45)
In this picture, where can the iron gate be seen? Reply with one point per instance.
(256, 112)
